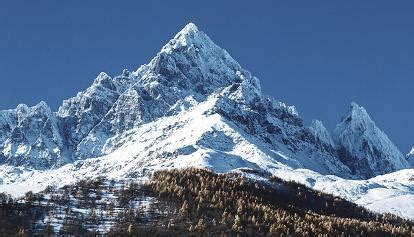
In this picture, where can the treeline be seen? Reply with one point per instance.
(228, 204)
(191, 202)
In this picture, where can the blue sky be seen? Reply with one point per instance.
(316, 55)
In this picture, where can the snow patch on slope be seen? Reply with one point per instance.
(390, 193)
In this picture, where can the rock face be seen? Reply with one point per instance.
(30, 136)
(363, 147)
(188, 73)
(80, 114)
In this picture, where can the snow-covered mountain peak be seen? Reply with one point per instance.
(190, 27)
(187, 70)
(196, 45)
(357, 110)
(190, 64)
(191, 53)
(30, 136)
(23, 111)
(364, 147)
(102, 76)
(188, 36)
(358, 118)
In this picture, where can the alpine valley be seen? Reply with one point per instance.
(194, 106)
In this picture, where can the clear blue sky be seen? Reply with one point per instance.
(317, 55)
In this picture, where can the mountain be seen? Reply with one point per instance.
(192, 105)
(188, 71)
(364, 148)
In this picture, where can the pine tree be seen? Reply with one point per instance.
(184, 209)
(201, 225)
(237, 224)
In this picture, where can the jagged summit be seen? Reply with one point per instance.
(30, 136)
(192, 59)
(358, 111)
(357, 115)
(190, 27)
(190, 36)
(187, 36)
(364, 147)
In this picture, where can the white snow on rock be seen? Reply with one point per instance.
(321, 133)
(364, 147)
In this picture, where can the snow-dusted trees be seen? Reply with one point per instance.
(228, 203)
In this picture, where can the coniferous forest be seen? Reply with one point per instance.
(191, 202)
